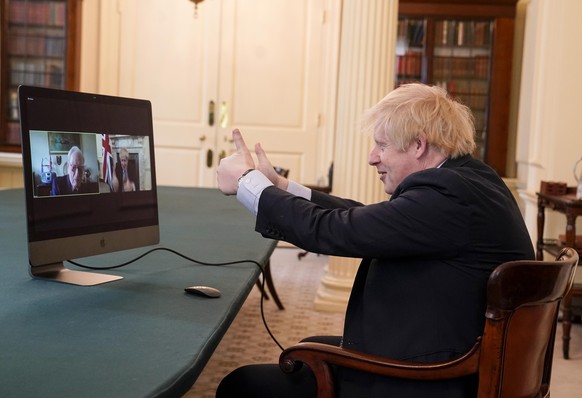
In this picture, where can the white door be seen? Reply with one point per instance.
(169, 56)
(258, 64)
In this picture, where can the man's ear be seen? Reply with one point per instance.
(420, 145)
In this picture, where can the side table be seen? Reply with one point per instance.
(572, 208)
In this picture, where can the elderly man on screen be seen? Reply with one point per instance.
(74, 181)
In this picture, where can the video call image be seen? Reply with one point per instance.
(71, 163)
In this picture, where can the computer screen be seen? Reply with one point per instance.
(89, 178)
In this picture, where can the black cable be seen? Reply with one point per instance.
(201, 263)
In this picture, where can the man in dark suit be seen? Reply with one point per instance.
(419, 293)
(74, 181)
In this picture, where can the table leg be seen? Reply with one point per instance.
(567, 301)
(271, 285)
(259, 284)
(268, 278)
(566, 324)
(541, 221)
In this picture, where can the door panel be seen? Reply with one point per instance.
(169, 57)
(177, 166)
(274, 73)
(270, 77)
(259, 62)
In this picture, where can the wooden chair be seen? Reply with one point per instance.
(513, 357)
(569, 315)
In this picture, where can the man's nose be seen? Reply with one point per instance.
(373, 157)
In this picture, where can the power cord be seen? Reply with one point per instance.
(196, 262)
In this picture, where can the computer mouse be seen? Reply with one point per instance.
(205, 291)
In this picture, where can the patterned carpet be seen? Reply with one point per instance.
(248, 342)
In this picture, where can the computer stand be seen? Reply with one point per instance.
(58, 273)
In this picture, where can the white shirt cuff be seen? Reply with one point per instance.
(299, 190)
(252, 185)
(250, 188)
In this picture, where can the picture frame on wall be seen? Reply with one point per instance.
(62, 142)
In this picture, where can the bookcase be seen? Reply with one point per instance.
(465, 47)
(39, 46)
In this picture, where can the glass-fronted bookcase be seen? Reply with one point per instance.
(39, 47)
(467, 50)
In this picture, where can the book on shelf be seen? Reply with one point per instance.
(444, 32)
(481, 66)
(34, 43)
(55, 46)
(37, 13)
(411, 31)
(13, 105)
(58, 12)
(409, 64)
(462, 67)
(54, 76)
(17, 12)
(482, 34)
(37, 72)
(462, 33)
(13, 133)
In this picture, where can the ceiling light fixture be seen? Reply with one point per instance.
(196, 6)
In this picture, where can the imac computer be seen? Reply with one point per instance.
(89, 179)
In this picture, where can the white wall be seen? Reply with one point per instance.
(549, 129)
(549, 136)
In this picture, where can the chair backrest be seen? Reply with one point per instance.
(523, 299)
(513, 357)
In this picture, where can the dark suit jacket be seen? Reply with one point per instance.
(62, 186)
(420, 290)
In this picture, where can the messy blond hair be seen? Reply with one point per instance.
(416, 109)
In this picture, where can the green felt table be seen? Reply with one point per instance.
(137, 337)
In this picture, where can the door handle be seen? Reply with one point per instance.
(211, 108)
(209, 158)
(223, 115)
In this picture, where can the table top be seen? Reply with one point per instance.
(562, 201)
(139, 336)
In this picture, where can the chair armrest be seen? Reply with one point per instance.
(317, 355)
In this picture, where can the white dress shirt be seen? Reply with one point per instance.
(252, 185)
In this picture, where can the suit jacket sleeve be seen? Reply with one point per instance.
(425, 219)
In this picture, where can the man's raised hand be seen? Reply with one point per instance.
(265, 167)
(231, 168)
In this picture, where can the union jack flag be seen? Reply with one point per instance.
(107, 159)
